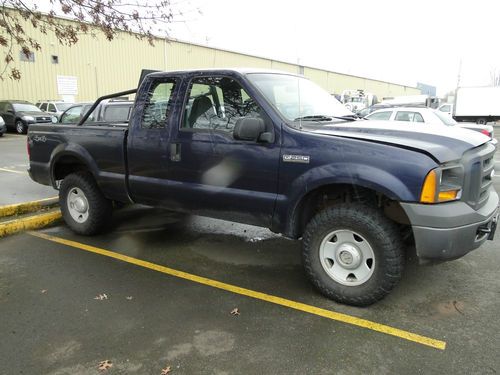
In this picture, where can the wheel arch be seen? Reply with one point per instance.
(70, 159)
(330, 194)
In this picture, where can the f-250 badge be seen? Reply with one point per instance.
(296, 158)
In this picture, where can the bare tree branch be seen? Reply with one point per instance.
(141, 19)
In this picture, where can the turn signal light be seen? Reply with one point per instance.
(429, 189)
(448, 195)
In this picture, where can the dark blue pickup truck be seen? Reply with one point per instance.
(273, 149)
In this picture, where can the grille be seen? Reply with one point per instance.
(481, 166)
(42, 119)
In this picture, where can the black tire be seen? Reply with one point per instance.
(99, 208)
(21, 127)
(381, 234)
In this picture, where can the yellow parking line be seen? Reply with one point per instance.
(437, 344)
(28, 223)
(12, 171)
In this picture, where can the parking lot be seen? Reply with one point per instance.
(205, 296)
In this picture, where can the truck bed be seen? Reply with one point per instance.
(101, 146)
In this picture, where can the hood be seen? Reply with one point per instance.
(33, 113)
(442, 143)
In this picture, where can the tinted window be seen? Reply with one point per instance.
(385, 115)
(72, 115)
(117, 113)
(216, 103)
(52, 108)
(157, 105)
(43, 106)
(3, 107)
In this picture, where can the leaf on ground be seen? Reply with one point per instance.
(43, 291)
(100, 297)
(129, 298)
(104, 365)
(166, 370)
(235, 311)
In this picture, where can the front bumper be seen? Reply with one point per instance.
(451, 230)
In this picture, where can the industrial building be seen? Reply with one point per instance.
(95, 67)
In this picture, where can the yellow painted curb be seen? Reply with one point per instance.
(25, 207)
(28, 223)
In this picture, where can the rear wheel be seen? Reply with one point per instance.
(20, 127)
(84, 208)
(353, 254)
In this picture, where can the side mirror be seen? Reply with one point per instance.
(251, 129)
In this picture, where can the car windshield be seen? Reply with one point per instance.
(63, 106)
(25, 107)
(297, 98)
(446, 119)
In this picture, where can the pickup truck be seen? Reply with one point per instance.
(273, 149)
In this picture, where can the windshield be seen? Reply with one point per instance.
(296, 97)
(63, 106)
(446, 119)
(25, 107)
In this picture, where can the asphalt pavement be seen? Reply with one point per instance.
(204, 296)
(15, 184)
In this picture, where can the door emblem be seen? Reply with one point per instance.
(296, 158)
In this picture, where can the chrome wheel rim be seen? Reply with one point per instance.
(347, 257)
(78, 205)
(19, 127)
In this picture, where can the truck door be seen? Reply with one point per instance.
(210, 172)
(147, 147)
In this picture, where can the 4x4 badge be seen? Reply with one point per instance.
(296, 158)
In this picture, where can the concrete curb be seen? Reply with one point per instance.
(26, 207)
(29, 223)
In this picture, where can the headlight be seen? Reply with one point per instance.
(29, 118)
(443, 184)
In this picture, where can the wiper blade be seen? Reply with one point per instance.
(314, 118)
(348, 117)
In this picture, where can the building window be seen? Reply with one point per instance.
(54, 59)
(30, 56)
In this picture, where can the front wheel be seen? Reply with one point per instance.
(353, 254)
(84, 208)
(20, 127)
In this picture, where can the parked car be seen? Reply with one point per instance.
(108, 111)
(427, 116)
(54, 107)
(299, 164)
(3, 128)
(19, 115)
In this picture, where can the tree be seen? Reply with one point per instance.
(108, 16)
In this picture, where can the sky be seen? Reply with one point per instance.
(398, 41)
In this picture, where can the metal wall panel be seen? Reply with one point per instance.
(103, 67)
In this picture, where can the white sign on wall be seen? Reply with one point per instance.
(67, 85)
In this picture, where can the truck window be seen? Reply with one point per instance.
(216, 103)
(117, 113)
(51, 108)
(72, 115)
(156, 107)
(43, 107)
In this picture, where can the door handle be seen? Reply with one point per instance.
(175, 152)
